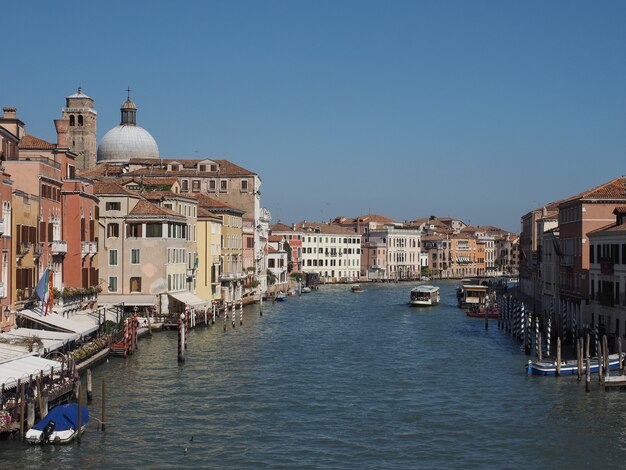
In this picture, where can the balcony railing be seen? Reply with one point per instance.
(93, 248)
(37, 250)
(23, 248)
(84, 248)
(59, 247)
(3, 290)
(1, 226)
(232, 276)
(190, 272)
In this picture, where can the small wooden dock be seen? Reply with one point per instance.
(614, 381)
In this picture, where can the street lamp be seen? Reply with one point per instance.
(7, 313)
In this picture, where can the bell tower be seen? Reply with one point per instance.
(82, 119)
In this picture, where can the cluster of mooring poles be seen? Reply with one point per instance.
(547, 334)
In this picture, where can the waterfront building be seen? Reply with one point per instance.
(466, 258)
(209, 254)
(533, 224)
(332, 251)
(363, 223)
(401, 247)
(8, 150)
(607, 276)
(549, 265)
(294, 240)
(277, 261)
(60, 237)
(507, 254)
(231, 275)
(578, 216)
(438, 251)
(146, 249)
(82, 122)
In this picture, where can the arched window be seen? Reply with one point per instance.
(80, 120)
(72, 120)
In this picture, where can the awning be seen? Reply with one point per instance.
(52, 340)
(10, 352)
(56, 322)
(140, 300)
(190, 299)
(10, 372)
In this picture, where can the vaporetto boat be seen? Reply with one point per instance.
(425, 295)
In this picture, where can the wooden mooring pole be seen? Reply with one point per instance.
(579, 358)
(558, 355)
(89, 387)
(619, 350)
(587, 372)
(104, 401)
(22, 432)
(181, 338)
(80, 412)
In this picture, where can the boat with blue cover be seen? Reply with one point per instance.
(570, 367)
(60, 425)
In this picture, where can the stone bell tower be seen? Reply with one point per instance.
(82, 119)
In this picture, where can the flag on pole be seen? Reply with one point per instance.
(43, 291)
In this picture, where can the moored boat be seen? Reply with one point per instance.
(356, 288)
(425, 295)
(60, 425)
(305, 290)
(472, 295)
(569, 367)
(281, 297)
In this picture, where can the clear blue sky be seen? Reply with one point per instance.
(480, 110)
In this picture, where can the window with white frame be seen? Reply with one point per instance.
(112, 284)
(112, 257)
(223, 186)
(244, 186)
(134, 256)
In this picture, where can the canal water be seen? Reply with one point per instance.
(341, 380)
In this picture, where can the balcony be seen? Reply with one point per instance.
(3, 290)
(37, 250)
(1, 226)
(190, 272)
(59, 247)
(232, 276)
(22, 250)
(93, 248)
(84, 248)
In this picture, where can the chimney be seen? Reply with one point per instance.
(9, 112)
(62, 126)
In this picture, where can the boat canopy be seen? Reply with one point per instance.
(427, 289)
(65, 417)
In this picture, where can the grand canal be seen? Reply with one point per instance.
(333, 379)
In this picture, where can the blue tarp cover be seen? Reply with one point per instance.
(65, 417)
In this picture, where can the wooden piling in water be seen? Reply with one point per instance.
(558, 355)
(22, 432)
(89, 388)
(79, 424)
(181, 338)
(104, 401)
(587, 373)
(579, 359)
(605, 348)
(600, 361)
(539, 351)
(43, 411)
(40, 397)
(619, 350)
(30, 413)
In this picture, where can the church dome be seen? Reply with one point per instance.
(128, 140)
(124, 142)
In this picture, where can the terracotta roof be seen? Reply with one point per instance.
(375, 218)
(31, 142)
(619, 210)
(275, 238)
(279, 227)
(210, 203)
(144, 207)
(225, 167)
(614, 189)
(271, 249)
(326, 228)
(110, 187)
(204, 213)
(103, 170)
(158, 195)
